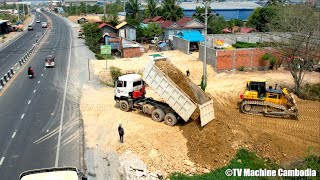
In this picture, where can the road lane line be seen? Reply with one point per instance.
(38, 82)
(1, 161)
(13, 135)
(29, 101)
(63, 103)
(41, 74)
(34, 91)
(22, 116)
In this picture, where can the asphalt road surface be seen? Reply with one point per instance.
(39, 117)
(16, 50)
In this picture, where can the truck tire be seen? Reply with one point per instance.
(124, 105)
(157, 115)
(170, 119)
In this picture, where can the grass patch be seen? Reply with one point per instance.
(311, 92)
(245, 159)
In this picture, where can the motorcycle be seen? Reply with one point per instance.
(31, 74)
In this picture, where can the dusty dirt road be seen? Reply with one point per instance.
(189, 148)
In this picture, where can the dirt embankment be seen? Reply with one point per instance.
(189, 148)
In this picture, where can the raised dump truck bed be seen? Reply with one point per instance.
(178, 91)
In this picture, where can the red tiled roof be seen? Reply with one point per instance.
(146, 20)
(165, 24)
(184, 20)
(105, 24)
(155, 19)
(246, 30)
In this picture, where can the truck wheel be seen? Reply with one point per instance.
(157, 115)
(170, 119)
(124, 105)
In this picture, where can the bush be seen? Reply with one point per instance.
(266, 56)
(241, 68)
(115, 73)
(310, 92)
(240, 44)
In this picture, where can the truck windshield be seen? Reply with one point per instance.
(122, 84)
(137, 83)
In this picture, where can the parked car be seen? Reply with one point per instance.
(44, 24)
(30, 28)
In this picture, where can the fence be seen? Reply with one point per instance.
(181, 45)
(247, 58)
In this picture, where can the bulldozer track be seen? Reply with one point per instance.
(284, 135)
(260, 106)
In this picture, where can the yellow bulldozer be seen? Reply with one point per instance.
(258, 99)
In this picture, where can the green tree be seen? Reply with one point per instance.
(112, 19)
(261, 17)
(298, 45)
(171, 10)
(200, 12)
(151, 9)
(133, 8)
(149, 32)
(92, 35)
(216, 24)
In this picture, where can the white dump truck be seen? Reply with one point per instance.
(62, 173)
(178, 104)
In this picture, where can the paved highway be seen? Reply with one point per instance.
(39, 118)
(15, 51)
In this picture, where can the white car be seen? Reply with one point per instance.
(38, 21)
(44, 24)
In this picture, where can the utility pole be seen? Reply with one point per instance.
(18, 11)
(104, 10)
(204, 80)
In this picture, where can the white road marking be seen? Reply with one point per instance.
(13, 135)
(38, 82)
(29, 101)
(1, 161)
(41, 74)
(34, 91)
(63, 103)
(22, 116)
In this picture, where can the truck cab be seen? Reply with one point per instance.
(60, 173)
(129, 86)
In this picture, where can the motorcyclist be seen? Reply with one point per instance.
(30, 71)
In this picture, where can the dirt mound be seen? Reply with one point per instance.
(184, 83)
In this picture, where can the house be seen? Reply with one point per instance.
(126, 30)
(130, 49)
(111, 39)
(173, 28)
(237, 29)
(107, 28)
(194, 37)
(82, 20)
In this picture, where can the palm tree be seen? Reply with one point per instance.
(151, 10)
(133, 8)
(171, 10)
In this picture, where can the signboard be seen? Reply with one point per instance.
(105, 49)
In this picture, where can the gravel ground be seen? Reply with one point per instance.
(189, 148)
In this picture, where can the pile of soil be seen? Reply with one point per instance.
(184, 83)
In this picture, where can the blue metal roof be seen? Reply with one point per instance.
(191, 36)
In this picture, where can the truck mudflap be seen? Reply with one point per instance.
(206, 112)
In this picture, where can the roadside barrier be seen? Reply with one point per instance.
(6, 77)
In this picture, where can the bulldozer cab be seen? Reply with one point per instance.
(258, 88)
